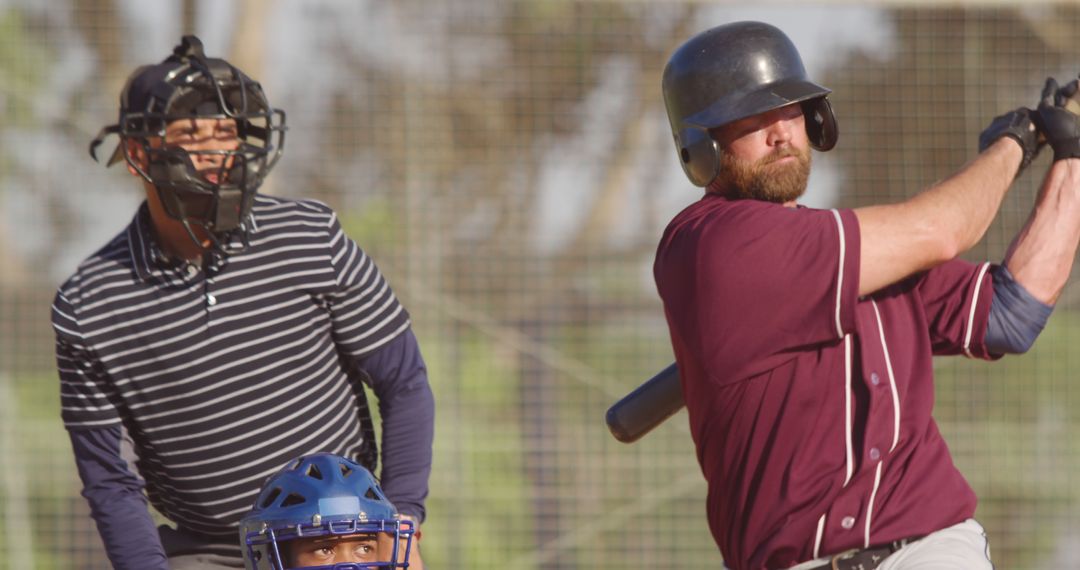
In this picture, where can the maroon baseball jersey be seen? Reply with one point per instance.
(809, 405)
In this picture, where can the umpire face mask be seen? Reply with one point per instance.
(207, 138)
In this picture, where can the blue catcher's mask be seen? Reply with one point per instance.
(189, 85)
(324, 497)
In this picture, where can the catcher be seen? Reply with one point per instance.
(325, 512)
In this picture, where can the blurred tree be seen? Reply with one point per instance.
(468, 143)
(100, 25)
(19, 78)
(188, 10)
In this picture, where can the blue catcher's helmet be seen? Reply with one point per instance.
(322, 496)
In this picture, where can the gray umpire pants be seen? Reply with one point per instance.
(178, 547)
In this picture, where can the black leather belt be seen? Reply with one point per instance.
(865, 558)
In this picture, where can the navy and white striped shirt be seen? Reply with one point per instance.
(223, 373)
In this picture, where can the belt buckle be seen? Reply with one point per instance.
(834, 562)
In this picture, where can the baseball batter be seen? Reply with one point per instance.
(226, 331)
(804, 337)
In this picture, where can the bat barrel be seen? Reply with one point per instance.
(637, 413)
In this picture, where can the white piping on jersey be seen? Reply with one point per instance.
(870, 506)
(847, 373)
(850, 460)
(892, 379)
(971, 315)
(839, 271)
(820, 533)
(847, 409)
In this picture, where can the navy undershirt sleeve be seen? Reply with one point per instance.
(1016, 317)
(117, 502)
(407, 407)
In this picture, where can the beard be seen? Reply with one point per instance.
(764, 180)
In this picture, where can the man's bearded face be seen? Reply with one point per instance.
(767, 179)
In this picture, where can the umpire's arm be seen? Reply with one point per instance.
(398, 377)
(116, 499)
(114, 493)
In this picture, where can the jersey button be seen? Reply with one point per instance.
(211, 300)
(875, 454)
(875, 379)
(848, 522)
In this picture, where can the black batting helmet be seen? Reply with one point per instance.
(732, 72)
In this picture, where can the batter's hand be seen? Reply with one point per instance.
(1056, 123)
(1017, 125)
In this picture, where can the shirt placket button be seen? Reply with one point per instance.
(848, 522)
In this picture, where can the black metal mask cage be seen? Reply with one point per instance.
(188, 85)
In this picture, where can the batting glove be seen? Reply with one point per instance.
(1060, 126)
(1017, 125)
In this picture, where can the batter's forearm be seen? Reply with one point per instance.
(964, 205)
(1041, 256)
(943, 221)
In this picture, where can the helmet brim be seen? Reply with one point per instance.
(742, 104)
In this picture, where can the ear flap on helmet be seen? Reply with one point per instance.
(699, 154)
(821, 126)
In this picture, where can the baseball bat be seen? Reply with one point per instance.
(638, 412)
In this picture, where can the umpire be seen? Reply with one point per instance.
(804, 337)
(225, 331)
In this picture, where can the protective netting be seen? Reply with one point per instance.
(510, 168)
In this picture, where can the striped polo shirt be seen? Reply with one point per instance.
(224, 372)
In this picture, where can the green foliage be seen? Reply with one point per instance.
(1014, 430)
(39, 484)
(38, 397)
(376, 225)
(478, 507)
(483, 511)
(24, 60)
